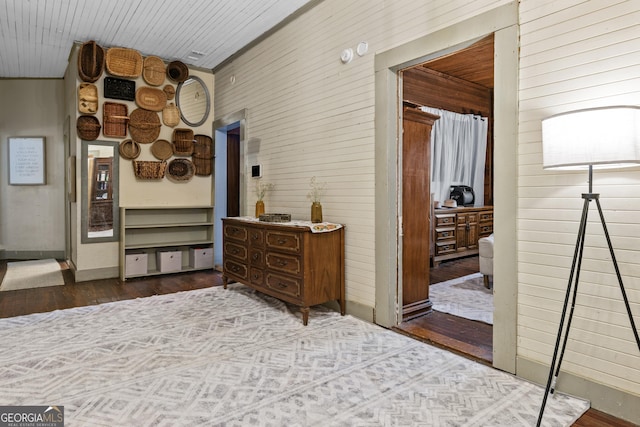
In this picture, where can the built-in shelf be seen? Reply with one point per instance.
(149, 230)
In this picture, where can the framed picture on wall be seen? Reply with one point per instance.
(26, 160)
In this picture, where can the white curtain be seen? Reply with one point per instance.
(458, 151)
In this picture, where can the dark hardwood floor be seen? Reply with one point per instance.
(27, 301)
(40, 300)
(468, 337)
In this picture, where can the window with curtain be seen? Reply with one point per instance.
(458, 152)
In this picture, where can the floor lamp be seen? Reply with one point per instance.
(606, 137)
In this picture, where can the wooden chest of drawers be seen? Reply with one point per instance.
(456, 231)
(285, 261)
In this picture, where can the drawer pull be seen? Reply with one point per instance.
(234, 251)
(254, 237)
(282, 262)
(255, 257)
(256, 276)
(282, 285)
(282, 241)
(235, 268)
(445, 234)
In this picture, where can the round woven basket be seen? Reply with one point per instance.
(129, 149)
(180, 170)
(150, 98)
(153, 70)
(171, 115)
(144, 126)
(88, 127)
(162, 149)
(177, 71)
(170, 91)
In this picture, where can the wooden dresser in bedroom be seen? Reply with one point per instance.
(285, 260)
(456, 231)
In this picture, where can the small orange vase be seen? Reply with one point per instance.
(259, 208)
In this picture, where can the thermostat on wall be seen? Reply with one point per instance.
(256, 171)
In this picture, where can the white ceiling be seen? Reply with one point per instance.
(36, 36)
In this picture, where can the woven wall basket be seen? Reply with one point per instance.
(204, 167)
(153, 71)
(183, 141)
(177, 71)
(151, 99)
(114, 119)
(202, 156)
(171, 115)
(88, 127)
(87, 98)
(124, 62)
(129, 149)
(180, 170)
(91, 60)
(145, 169)
(162, 149)
(203, 147)
(144, 126)
(170, 91)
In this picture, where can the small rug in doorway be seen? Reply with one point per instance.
(32, 274)
(463, 297)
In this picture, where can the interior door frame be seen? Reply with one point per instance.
(503, 22)
(219, 130)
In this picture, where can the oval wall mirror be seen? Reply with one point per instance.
(193, 101)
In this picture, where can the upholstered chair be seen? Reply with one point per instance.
(485, 248)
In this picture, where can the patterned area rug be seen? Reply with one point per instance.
(32, 274)
(216, 357)
(463, 297)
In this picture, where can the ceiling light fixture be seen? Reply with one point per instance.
(195, 55)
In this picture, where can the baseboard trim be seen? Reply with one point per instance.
(27, 255)
(95, 274)
(361, 311)
(615, 402)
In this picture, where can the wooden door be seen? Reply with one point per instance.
(416, 208)
(233, 172)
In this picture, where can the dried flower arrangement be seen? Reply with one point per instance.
(262, 188)
(318, 189)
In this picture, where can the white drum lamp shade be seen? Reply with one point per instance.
(606, 137)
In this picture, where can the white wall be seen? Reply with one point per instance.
(574, 55)
(312, 115)
(32, 217)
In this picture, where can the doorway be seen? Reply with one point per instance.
(502, 21)
(229, 134)
(458, 89)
